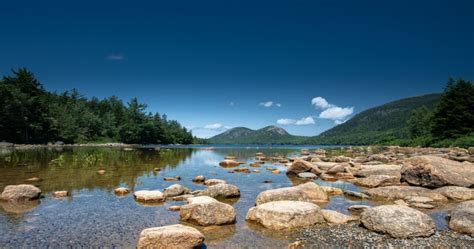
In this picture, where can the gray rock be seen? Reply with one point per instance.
(174, 236)
(207, 211)
(309, 192)
(221, 191)
(462, 218)
(21, 192)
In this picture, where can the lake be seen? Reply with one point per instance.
(94, 216)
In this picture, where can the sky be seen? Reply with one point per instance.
(305, 66)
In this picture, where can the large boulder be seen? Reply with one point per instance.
(435, 172)
(207, 211)
(456, 193)
(21, 192)
(210, 182)
(309, 192)
(398, 221)
(373, 181)
(221, 191)
(175, 190)
(462, 218)
(401, 192)
(174, 236)
(149, 196)
(300, 166)
(380, 169)
(325, 165)
(334, 217)
(278, 215)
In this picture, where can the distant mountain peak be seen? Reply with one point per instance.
(275, 129)
(266, 135)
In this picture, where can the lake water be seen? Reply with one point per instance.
(94, 216)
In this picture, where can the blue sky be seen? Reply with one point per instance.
(218, 64)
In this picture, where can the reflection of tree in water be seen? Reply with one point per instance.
(76, 169)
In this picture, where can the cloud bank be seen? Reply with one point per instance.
(303, 121)
(331, 111)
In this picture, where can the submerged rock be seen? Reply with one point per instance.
(310, 192)
(435, 172)
(401, 192)
(398, 221)
(172, 179)
(206, 211)
(278, 215)
(21, 192)
(221, 191)
(174, 236)
(462, 218)
(149, 196)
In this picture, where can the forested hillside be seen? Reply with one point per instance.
(266, 135)
(30, 114)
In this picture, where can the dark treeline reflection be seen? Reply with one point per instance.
(75, 169)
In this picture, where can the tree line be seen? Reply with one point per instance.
(30, 114)
(450, 123)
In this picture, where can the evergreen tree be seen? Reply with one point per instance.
(420, 122)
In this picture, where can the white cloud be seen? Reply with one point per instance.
(338, 122)
(321, 103)
(336, 113)
(115, 57)
(269, 104)
(303, 121)
(215, 126)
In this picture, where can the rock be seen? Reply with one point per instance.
(182, 197)
(172, 179)
(206, 211)
(174, 208)
(101, 172)
(325, 165)
(344, 175)
(381, 169)
(296, 245)
(421, 205)
(338, 168)
(276, 172)
(174, 236)
(121, 191)
(221, 191)
(456, 193)
(398, 221)
(157, 169)
(21, 192)
(332, 190)
(34, 179)
(259, 154)
(355, 194)
(229, 163)
(418, 199)
(358, 209)
(278, 215)
(211, 182)
(199, 178)
(435, 172)
(334, 217)
(60, 194)
(242, 170)
(175, 190)
(149, 196)
(379, 157)
(307, 175)
(300, 166)
(309, 192)
(400, 192)
(462, 218)
(401, 202)
(305, 152)
(256, 164)
(373, 181)
(327, 177)
(230, 158)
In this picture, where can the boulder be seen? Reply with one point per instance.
(342, 159)
(462, 218)
(380, 169)
(60, 194)
(300, 166)
(332, 190)
(174, 208)
(398, 221)
(279, 215)
(229, 163)
(456, 193)
(379, 157)
(334, 217)
(358, 209)
(221, 191)
(121, 191)
(400, 192)
(21, 192)
(175, 190)
(355, 194)
(373, 181)
(435, 172)
(149, 196)
(199, 178)
(207, 211)
(339, 168)
(174, 236)
(325, 165)
(309, 192)
(182, 197)
(210, 182)
(307, 175)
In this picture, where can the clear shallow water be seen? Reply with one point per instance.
(94, 216)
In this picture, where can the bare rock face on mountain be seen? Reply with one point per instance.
(206, 211)
(435, 172)
(401, 192)
(462, 218)
(174, 236)
(300, 166)
(309, 192)
(279, 215)
(398, 221)
(21, 192)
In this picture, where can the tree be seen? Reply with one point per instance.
(420, 122)
(454, 115)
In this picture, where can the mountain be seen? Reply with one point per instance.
(266, 135)
(380, 124)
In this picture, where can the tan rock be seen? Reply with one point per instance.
(462, 218)
(60, 194)
(381, 169)
(21, 192)
(121, 191)
(229, 163)
(309, 192)
(334, 217)
(211, 182)
(373, 181)
(300, 166)
(170, 237)
(456, 193)
(199, 178)
(149, 196)
(221, 191)
(400, 192)
(332, 190)
(175, 190)
(206, 211)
